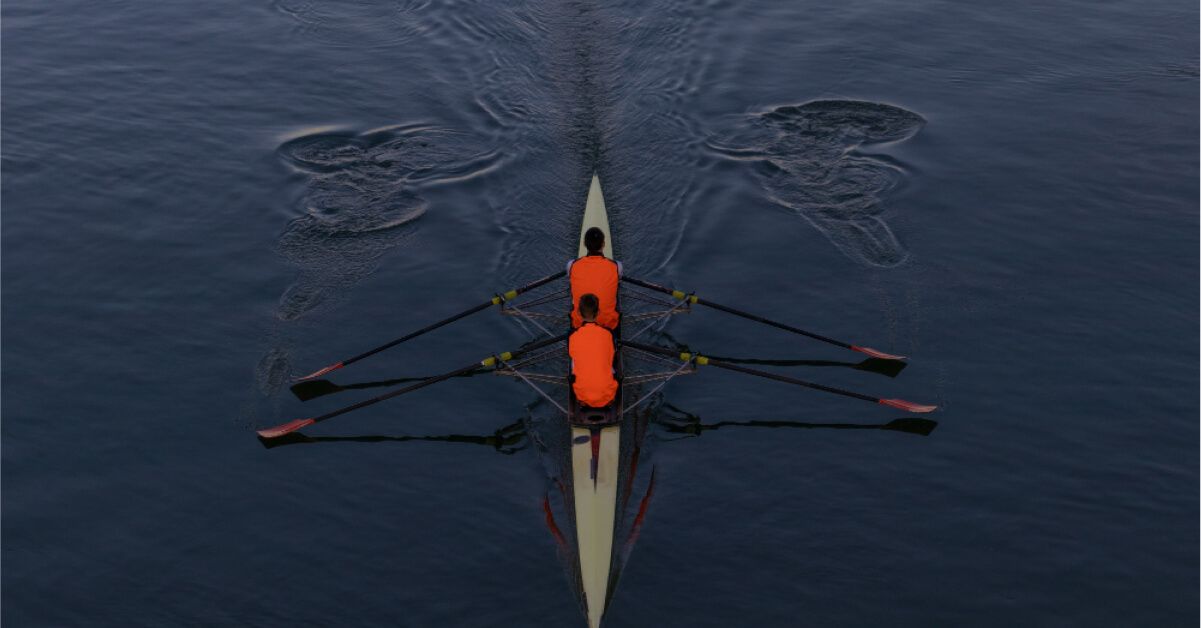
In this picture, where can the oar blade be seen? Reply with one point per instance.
(907, 406)
(329, 369)
(287, 439)
(912, 425)
(286, 428)
(313, 388)
(887, 368)
(876, 353)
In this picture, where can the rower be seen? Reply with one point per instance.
(591, 350)
(598, 275)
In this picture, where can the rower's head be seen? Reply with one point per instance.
(589, 306)
(594, 240)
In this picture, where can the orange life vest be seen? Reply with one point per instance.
(591, 350)
(595, 274)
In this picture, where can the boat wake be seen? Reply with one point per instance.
(361, 197)
(372, 25)
(805, 157)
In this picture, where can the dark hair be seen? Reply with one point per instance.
(594, 240)
(589, 306)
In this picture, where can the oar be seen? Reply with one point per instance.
(491, 361)
(496, 300)
(692, 298)
(901, 404)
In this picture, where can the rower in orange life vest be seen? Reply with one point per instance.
(595, 274)
(591, 349)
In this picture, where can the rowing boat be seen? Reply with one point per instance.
(596, 434)
(595, 454)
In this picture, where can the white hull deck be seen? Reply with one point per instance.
(595, 455)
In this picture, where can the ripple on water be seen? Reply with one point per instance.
(362, 196)
(805, 159)
(370, 24)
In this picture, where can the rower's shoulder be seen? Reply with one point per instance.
(591, 327)
(571, 262)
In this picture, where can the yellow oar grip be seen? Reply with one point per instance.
(679, 294)
(501, 298)
(492, 360)
(700, 359)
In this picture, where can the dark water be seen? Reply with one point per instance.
(200, 200)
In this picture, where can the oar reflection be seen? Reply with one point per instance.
(635, 495)
(313, 388)
(518, 436)
(678, 421)
(887, 368)
(507, 440)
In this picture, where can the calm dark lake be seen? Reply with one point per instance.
(203, 200)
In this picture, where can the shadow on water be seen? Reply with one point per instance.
(636, 475)
(310, 389)
(887, 368)
(512, 438)
(557, 502)
(507, 440)
(680, 422)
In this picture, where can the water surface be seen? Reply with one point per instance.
(201, 201)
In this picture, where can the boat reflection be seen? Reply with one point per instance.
(551, 439)
(637, 472)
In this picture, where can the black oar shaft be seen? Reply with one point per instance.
(703, 360)
(435, 379)
(292, 426)
(749, 371)
(729, 310)
(776, 324)
(792, 380)
(692, 298)
(424, 330)
(496, 300)
(396, 393)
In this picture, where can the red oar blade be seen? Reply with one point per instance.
(877, 354)
(328, 369)
(286, 428)
(907, 406)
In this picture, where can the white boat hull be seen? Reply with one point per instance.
(595, 455)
